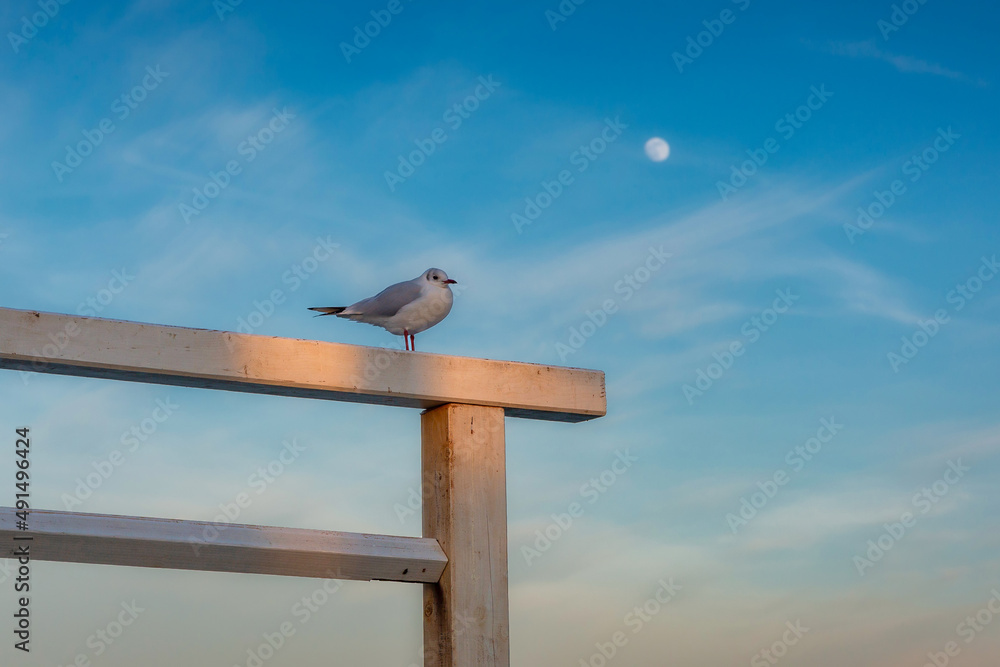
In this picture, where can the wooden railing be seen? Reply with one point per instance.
(462, 558)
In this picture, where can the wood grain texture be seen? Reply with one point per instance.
(466, 615)
(74, 537)
(93, 347)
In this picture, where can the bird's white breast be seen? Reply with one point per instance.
(432, 307)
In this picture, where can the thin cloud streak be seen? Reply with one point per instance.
(908, 64)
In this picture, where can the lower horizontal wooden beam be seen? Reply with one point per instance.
(74, 537)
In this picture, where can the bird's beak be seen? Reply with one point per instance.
(450, 282)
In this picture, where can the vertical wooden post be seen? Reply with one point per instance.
(466, 620)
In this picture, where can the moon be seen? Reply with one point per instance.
(657, 149)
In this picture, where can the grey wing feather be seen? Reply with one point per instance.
(386, 303)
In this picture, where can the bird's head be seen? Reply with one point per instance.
(438, 277)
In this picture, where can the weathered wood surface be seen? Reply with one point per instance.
(93, 347)
(466, 615)
(74, 537)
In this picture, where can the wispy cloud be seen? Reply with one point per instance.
(908, 64)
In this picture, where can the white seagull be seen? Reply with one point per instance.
(404, 309)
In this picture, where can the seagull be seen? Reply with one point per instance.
(404, 309)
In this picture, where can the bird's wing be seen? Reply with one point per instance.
(386, 303)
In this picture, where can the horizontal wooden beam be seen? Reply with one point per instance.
(73, 537)
(93, 347)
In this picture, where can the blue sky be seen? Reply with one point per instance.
(265, 91)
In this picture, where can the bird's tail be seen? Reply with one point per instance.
(336, 310)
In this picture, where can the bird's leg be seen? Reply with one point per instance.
(406, 339)
(413, 342)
